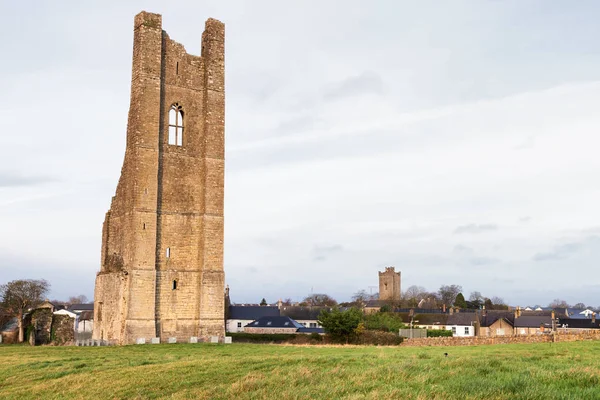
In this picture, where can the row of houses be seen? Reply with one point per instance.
(300, 319)
(500, 323)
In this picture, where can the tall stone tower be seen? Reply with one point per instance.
(389, 285)
(162, 239)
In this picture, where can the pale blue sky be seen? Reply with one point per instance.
(456, 141)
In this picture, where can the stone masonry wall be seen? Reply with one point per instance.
(41, 324)
(479, 340)
(63, 329)
(389, 285)
(162, 240)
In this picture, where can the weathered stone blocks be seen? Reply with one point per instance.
(161, 270)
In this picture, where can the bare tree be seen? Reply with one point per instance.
(414, 294)
(498, 300)
(429, 300)
(21, 295)
(287, 302)
(81, 299)
(558, 303)
(361, 297)
(476, 296)
(580, 306)
(448, 293)
(319, 299)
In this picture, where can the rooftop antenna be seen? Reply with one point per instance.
(371, 288)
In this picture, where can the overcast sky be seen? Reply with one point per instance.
(457, 141)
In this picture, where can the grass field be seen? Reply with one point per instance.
(248, 371)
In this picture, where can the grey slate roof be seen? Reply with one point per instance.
(252, 312)
(461, 319)
(274, 322)
(578, 323)
(81, 307)
(492, 316)
(574, 313)
(532, 321)
(303, 313)
(86, 316)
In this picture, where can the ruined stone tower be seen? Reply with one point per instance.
(162, 239)
(389, 285)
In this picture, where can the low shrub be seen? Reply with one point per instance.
(379, 338)
(383, 321)
(438, 333)
(244, 337)
(313, 338)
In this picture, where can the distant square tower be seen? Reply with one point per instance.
(162, 240)
(389, 285)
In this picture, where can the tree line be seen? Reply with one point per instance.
(419, 297)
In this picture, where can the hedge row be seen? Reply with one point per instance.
(367, 337)
(438, 333)
(243, 337)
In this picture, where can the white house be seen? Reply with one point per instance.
(461, 324)
(240, 316)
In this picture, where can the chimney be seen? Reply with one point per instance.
(593, 318)
(517, 312)
(451, 310)
(553, 315)
(279, 304)
(443, 308)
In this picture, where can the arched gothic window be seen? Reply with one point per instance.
(176, 125)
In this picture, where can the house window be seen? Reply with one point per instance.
(239, 324)
(176, 125)
(453, 330)
(286, 323)
(466, 330)
(313, 325)
(268, 323)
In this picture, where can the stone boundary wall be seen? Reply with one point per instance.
(482, 340)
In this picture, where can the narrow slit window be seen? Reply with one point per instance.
(168, 252)
(174, 285)
(176, 125)
(177, 68)
(144, 227)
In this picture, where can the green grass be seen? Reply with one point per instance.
(252, 371)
